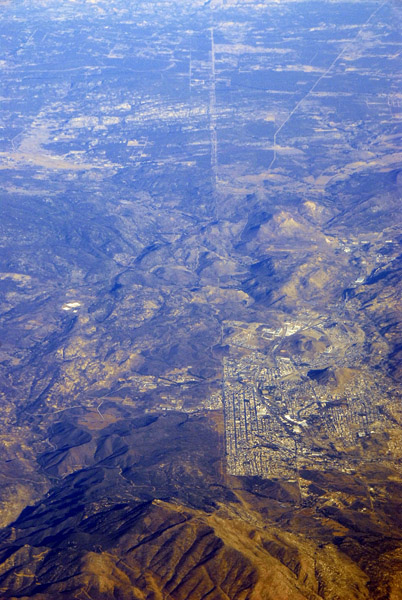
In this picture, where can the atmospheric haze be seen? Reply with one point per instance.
(200, 259)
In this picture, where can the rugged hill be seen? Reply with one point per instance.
(200, 259)
(152, 516)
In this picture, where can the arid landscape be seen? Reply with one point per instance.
(200, 300)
